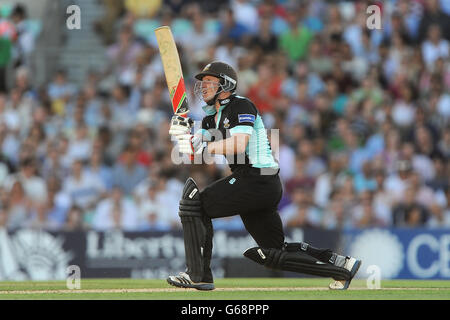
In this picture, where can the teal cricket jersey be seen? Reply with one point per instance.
(239, 115)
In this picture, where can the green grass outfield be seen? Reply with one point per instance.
(226, 289)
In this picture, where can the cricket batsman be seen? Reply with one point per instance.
(253, 190)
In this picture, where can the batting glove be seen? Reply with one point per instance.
(180, 125)
(191, 144)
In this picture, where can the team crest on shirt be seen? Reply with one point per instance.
(226, 123)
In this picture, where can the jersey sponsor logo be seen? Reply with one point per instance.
(226, 123)
(246, 118)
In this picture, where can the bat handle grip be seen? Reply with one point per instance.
(191, 156)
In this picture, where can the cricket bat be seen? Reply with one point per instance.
(172, 70)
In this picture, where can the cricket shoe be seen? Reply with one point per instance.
(183, 280)
(352, 265)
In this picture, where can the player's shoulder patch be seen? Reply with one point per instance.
(246, 117)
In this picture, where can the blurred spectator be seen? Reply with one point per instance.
(356, 152)
(397, 183)
(382, 200)
(74, 220)
(444, 144)
(8, 35)
(38, 218)
(3, 173)
(122, 53)
(148, 115)
(348, 195)
(295, 42)
(98, 169)
(228, 52)
(137, 140)
(301, 212)
(60, 88)
(267, 90)
(425, 196)
(329, 181)
(5, 58)
(58, 202)
(435, 47)
(105, 26)
(168, 195)
(116, 212)
(300, 178)
(17, 111)
(231, 29)
(33, 185)
(408, 212)
(25, 37)
(334, 215)
(265, 40)
(433, 14)
(123, 107)
(440, 179)
(286, 160)
(245, 14)
(128, 173)
(442, 218)
(363, 214)
(80, 146)
(365, 180)
(53, 164)
(153, 212)
(314, 165)
(18, 206)
(3, 217)
(92, 113)
(319, 62)
(84, 188)
(303, 86)
(199, 38)
(60, 91)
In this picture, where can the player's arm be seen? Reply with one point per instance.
(236, 144)
(242, 120)
(193, 143)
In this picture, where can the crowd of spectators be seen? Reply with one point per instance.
(363, 117)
